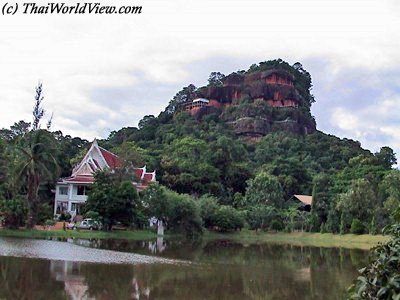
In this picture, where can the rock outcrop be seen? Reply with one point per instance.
(255, 103)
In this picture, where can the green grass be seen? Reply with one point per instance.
(351, 241)
(365, 241)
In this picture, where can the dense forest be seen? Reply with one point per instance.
(205, 162)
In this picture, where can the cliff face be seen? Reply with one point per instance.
(256, 103)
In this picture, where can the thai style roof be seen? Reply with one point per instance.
(145, 177)
(99, 159)
(112, 160)
(305, 199)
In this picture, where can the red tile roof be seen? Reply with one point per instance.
(139, 173)
(111, 159)
(147, 177)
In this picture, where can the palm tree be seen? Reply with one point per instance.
(36, 165)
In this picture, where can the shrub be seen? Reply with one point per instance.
(184, 214)
(64, 217)
(322, 228)
(13, 213)
(357, 227)
(49, 222)
(208, 208)
(276, 225)
(372, 227)
(260, 216)
(45, 213)
(381, 279)
(228, 219)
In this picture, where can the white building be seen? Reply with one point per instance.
(71, 192)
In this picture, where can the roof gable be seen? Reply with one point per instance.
(111, 159)
(305, 199)
(95, 159)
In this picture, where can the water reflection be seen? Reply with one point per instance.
(225, 270)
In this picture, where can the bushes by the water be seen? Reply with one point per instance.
(178, 212)
(12, 213)
(228, 219)
(260, 217)
(357, 227)
(277, 225)
(208, 208)
(381, 278)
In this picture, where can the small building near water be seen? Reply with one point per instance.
(71, 192)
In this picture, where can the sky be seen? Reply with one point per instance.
(104, 72)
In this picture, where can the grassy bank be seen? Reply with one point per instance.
(364, 241)
(245, 236)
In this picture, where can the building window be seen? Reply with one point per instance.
(82, 190)
(76, 207)
(63, 190)
(61, 207)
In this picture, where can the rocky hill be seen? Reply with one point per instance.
(269, 97)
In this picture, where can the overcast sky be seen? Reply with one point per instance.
(101, 73)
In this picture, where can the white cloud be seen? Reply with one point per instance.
(374, 126)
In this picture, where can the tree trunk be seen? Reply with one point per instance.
(33, 185)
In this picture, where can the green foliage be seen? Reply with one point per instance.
(37, 165)
(359, 201)
(179, 212)
(333, 221)
(94, 215)
(276, 225)
(386, 157)
(215, 78)
(78, 157)
(132, 156)
(390, 188)
(64, 217)
(49, 222)
(264, 189)
(156, 202)
(45, 212)
(12, 213)
(381, 279)
(184, 214)
(228, 219)
(261, 217)
(187, 169)
(372, 227)
(208, 209)
(357, 227)
(183, 96)
(322, 228)
(114, 199)
(320, 201)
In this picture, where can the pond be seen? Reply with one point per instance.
(159, 269)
